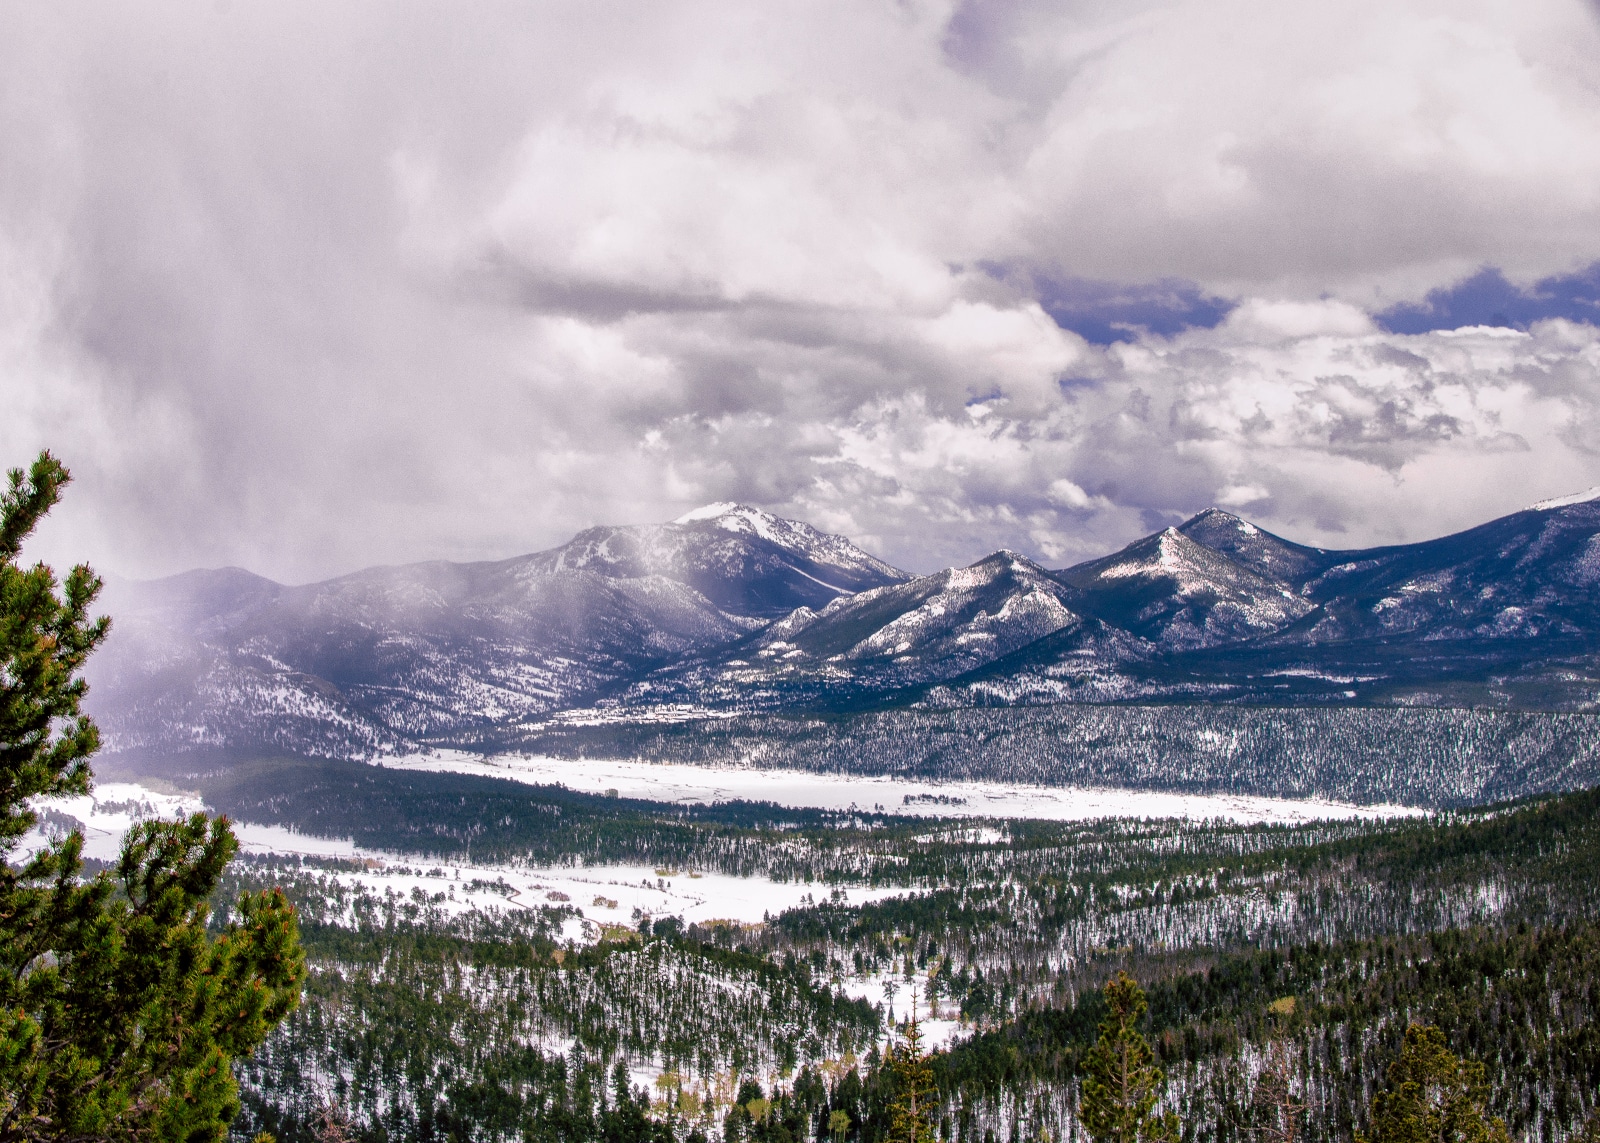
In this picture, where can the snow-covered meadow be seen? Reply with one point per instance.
(803, 789)
(618, 894)
(603, 894)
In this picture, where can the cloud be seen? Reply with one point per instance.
(1338, 438)
(306, 288)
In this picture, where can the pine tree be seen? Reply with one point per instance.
(1433, 1096)
(1121, 1083)
(912, 1112)
(119, 1014)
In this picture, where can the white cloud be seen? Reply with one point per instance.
(307, 287)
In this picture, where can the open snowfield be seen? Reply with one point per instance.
(616, 894)
(893, 993)
(604, 894)
(688, 783)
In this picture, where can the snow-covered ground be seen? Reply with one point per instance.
(895, 994)
(616, 894)
(604, 894)
(690, 783)
(106, 814)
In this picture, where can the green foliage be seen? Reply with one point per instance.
(45, 739)
(119, 1014)
(1433, 1097)
(436, 1024)
(1121, 1082)
(838, 1125)
(915, 1105)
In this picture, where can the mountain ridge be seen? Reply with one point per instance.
(732, 608)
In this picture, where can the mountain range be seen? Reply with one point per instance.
(731, 609)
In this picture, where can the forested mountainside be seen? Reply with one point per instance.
(1313, 946)
(1412, 756)
(733, 609)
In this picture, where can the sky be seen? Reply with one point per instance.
(307, 287)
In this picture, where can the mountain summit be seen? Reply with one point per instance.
(442, 652)
(745, 561)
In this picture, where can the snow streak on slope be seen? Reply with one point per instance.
(1178, 593)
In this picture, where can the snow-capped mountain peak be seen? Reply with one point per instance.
(1253, 547)
(1219, 518)
(1566, 501)
(731, 517)
(1176, 591)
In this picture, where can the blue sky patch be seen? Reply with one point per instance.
(1488, 298)
(1106, 312)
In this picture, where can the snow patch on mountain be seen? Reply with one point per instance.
(1566, 501)
(736, 518)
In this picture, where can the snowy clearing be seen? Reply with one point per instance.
(603, 894)
(804, 789)
(607, 895)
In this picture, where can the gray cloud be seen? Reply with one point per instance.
(306, 287)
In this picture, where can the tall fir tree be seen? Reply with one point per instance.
(119, 1014)
(1121, 1082)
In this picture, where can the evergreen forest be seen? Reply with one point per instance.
(1285, 970)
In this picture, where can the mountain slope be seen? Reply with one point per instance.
(930, 628)
(1506, 614)
(745, 561)
(734, 609)
(1255, 548)
(1177, 593)
(1527, 575)
(393, 657)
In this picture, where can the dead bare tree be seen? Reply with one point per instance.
(1277, 1111)
(333, 1124)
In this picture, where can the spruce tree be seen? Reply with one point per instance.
(1121, 1082)
(1433, 1096)
(119, 1014)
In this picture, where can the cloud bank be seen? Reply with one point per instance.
(306, 287)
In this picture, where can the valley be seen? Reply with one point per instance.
(669, 833)
(999, 933)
